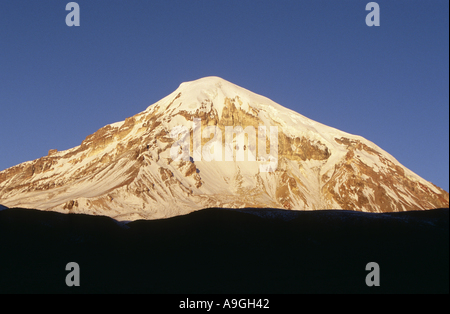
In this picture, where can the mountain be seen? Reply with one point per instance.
(129, 170)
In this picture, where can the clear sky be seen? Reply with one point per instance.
(389, 84)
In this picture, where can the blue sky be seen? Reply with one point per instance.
(389, 84)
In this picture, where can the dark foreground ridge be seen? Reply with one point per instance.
(226, 251)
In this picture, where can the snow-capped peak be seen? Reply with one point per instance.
(125, 170)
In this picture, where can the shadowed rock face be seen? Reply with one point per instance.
(125, 171)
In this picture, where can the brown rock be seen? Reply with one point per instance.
(52, 152)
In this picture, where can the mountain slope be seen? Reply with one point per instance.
(125, 170)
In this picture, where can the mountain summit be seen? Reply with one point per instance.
(181, 155)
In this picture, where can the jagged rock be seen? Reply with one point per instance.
(70, 205)
(52, 152)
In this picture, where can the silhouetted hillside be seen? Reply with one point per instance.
(226, 251)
